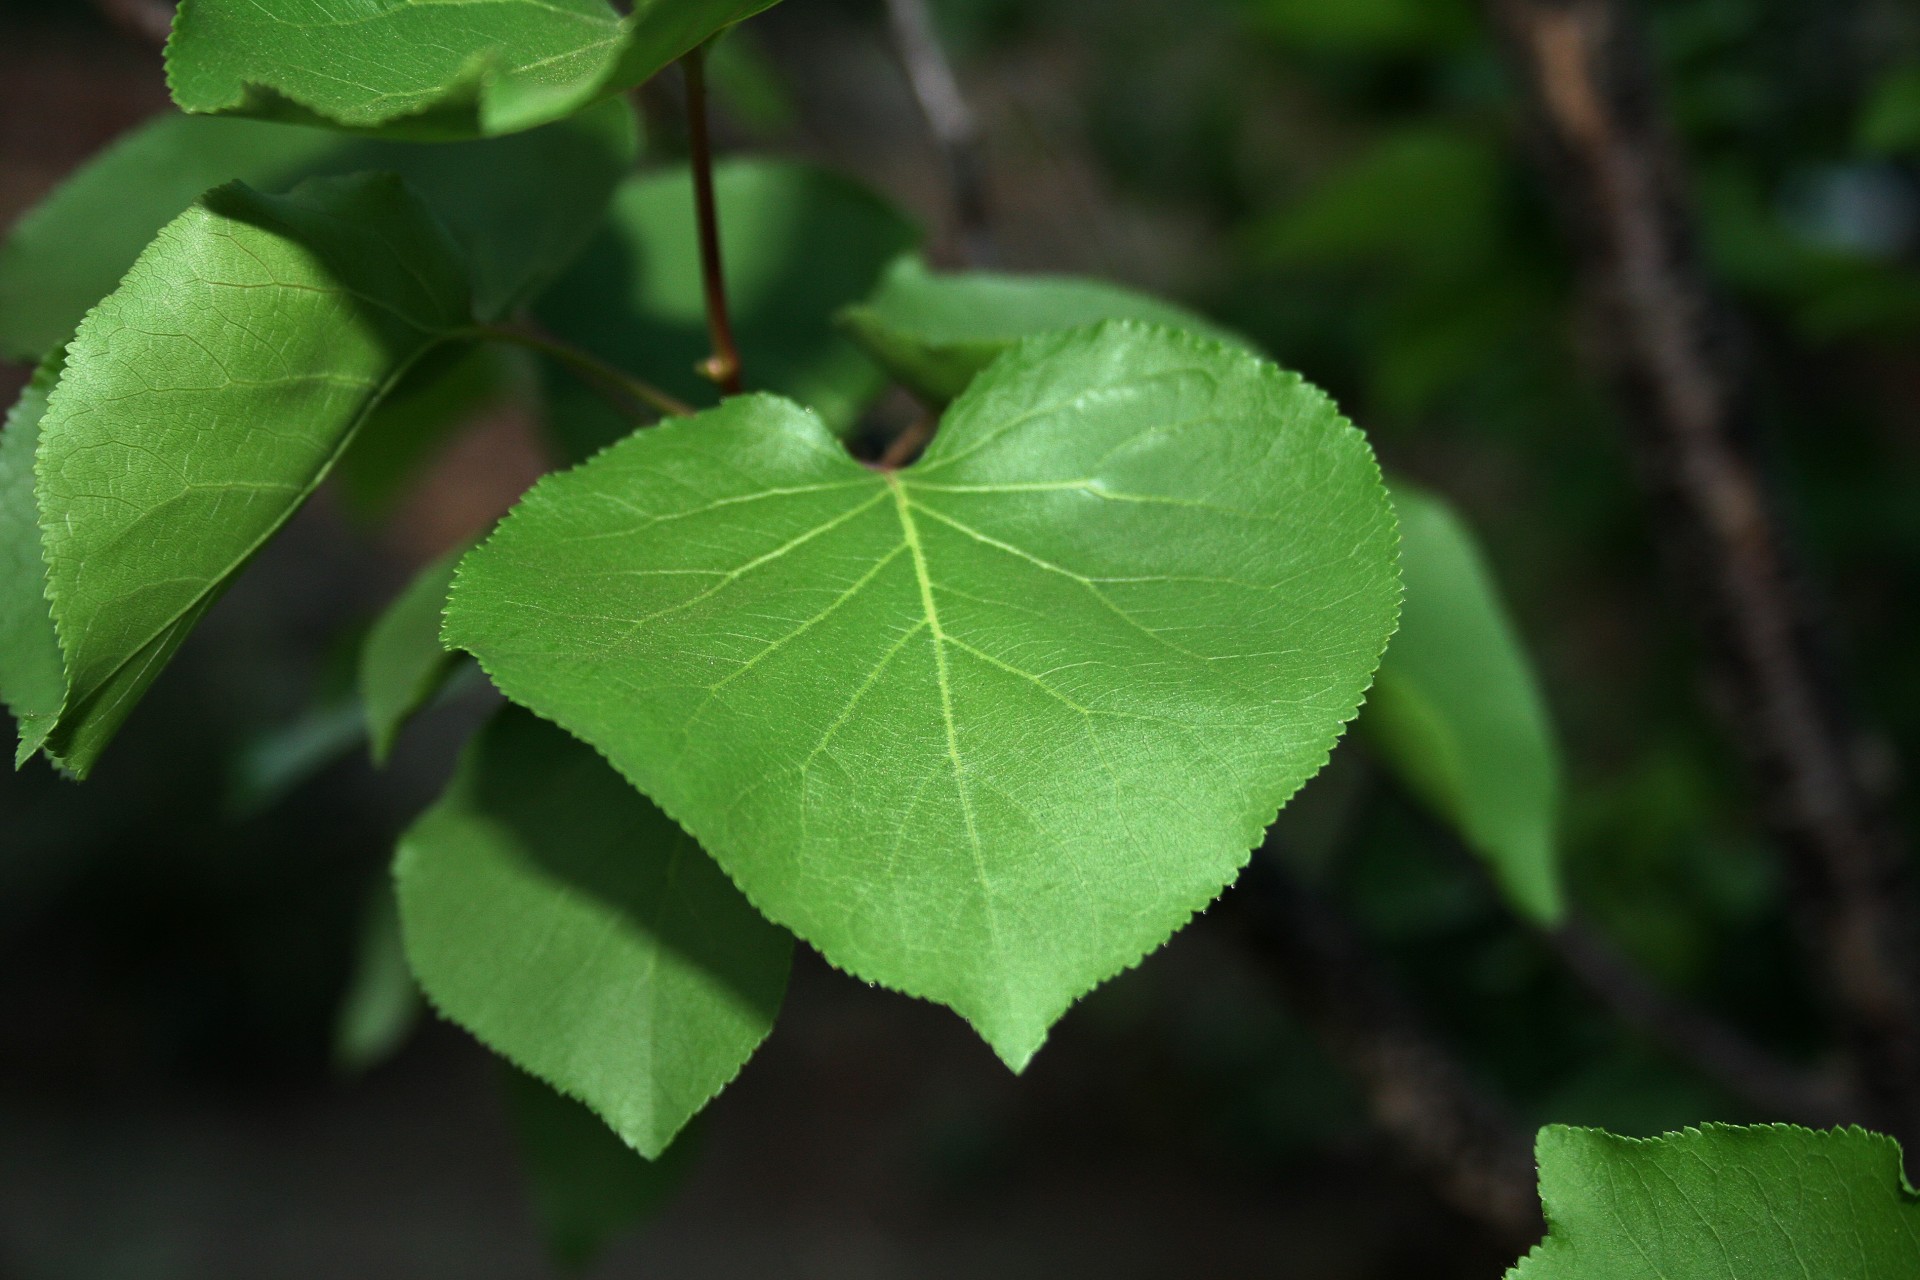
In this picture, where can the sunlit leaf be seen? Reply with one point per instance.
(798, 241)
(206, 398)
(989, 729)
(1456, 711)
(519, 208)
(1722, 1202)
(566, 922)
(402, 662)
(934, 332)
(415, 68)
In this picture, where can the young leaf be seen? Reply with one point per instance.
(32, 682)
(1724, 1202)
(381, 1005)
(402, 661)
(206, 398)
(935, 332)
(571, 926)
(412, 68)
(519, 207)
(989, 729)
(588, 1186)
(798, 242)
(1456, 712)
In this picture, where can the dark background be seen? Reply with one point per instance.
(1348, 184)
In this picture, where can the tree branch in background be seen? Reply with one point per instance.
(951, 121)
(1451, 1133)
(1689, 407)
(723, 366)
(1718, 1052)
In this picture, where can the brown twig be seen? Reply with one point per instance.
(1448, 1130)
(1721, 1054)
(1689, 405)
(950, 120)
(723, 366)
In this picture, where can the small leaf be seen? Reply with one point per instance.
(381, 1006)
(206, 398)
(935, 332)
(519, 208)
(1455, 709)
(588, 1186)
(573, 928)
(798, 242)
(989, 729)
(423, 70)
(32, 681)
(402, 662)
(1724, 1202)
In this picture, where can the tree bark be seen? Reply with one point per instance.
(1688, 404)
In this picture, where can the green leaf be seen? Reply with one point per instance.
(935, 332)
(1724, 1202)
(32, 682)
(381, 1006)
(421, 69)
(798, 243)
(989, 729)
(1455, 709)
(519, 207)
(572, 927)
(1890, 117)
(206, 398)
(402, 662)
(588, 1186)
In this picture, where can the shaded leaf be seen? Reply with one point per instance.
(1724, 1202)
(1456, 711)
(798, 243)
(32, 682)
(412, 68)
(519, 208)
(381, 1006)
(449, 389)
(934, 332)
(402, 662)
(588, 1186)
(274, 764)
(206, 398)
(577, 931)
(989, 729)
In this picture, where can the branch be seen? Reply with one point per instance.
(1427, 1104)
(1689, 406)
(723, 366)
(951, 121)
(1696, 1038)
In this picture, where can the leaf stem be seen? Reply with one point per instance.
(723, 366)
(618, 385)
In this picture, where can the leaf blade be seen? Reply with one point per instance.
(274, 325)
(1723, 1201)
(568, 924)
(33, 680)
(402, 661)
(744, 620)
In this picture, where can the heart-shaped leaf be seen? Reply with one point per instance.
(989, 729)
(567, 923)
(414, 68)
